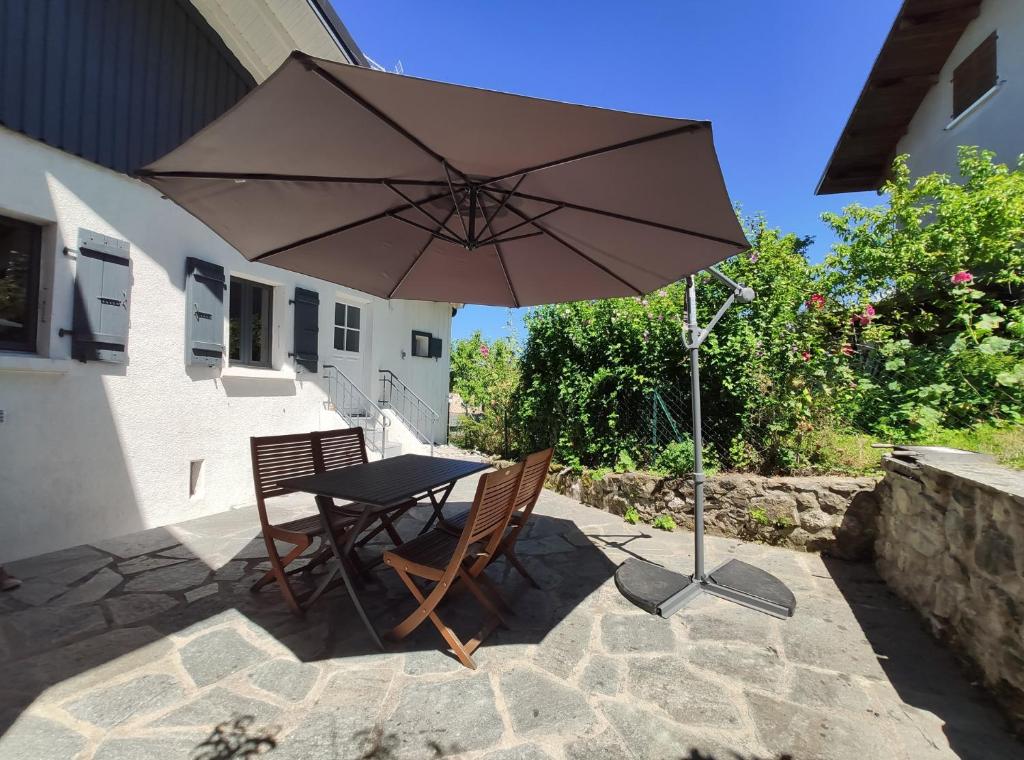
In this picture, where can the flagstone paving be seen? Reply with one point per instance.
(151, 646)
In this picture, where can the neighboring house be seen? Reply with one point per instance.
(951, 73)
(138, 351)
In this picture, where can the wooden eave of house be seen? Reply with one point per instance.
(261, 33)
(920, 41)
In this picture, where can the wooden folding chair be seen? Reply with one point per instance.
(276, 458)
(334, 449)
(443, 558)
(535, 470)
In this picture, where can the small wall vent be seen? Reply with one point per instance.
(195, 478)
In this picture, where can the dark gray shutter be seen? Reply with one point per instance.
(435, 348)
(307, 328)
(102, 289)
(204, 312)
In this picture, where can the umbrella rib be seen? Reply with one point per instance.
(532, 219)
(497, 250)
(313, 66)
(337, 230)
(264, 177)
(419, 256)
(606, 149)
(435, 233)
(418, 207)
(575, 250)
(504, 200)
(455, 201)
(634, 219)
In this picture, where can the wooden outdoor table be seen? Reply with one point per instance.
(378, 486)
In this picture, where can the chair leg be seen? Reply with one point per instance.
(322, 555)
(481, 597)
(393, 533)
(276, 572)
(483, 580)
(271, 575)
(424, 611)
(510, 555)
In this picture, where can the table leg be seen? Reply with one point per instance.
(437, 505)
(323, 505)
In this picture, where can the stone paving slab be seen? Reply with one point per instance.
(151, 646)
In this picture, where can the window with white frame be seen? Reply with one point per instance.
(346, 327)
(249, 321)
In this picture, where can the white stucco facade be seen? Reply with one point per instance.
(996, 122)
(91, 450)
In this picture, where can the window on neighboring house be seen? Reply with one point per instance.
(19, 284)
(346, 327)
(975, 76)
(249, 318)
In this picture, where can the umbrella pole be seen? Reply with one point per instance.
(663, 592)
(698, 442)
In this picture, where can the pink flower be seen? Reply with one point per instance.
(962, 277)
(816, 301)
(647, 335)
(864, 319)
(663, 293)
(484, 350)
(806, 356)
(754, 257)
(847, 349)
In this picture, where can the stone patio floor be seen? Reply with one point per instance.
(152, 646)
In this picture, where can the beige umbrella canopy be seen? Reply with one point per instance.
(408, 188)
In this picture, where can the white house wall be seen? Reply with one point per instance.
(93, 450)
(995, 124)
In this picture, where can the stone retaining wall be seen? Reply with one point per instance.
(831, 515)
(951, 542)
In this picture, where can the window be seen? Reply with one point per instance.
(249, 317)
(426, 345)
(346, 327)
(19, 284)
(975, 76)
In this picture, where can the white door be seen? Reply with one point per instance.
(351, 342)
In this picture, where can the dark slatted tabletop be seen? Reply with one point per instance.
(386, 482)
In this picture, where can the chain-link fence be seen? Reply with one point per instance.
(649, 423)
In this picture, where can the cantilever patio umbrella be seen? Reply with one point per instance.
(413, 189)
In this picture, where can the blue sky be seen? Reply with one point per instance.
(777, 79)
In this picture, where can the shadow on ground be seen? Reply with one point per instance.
(911, 659)
(89, 615)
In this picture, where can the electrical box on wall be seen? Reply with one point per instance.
(426, 345)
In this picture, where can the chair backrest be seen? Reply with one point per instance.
(334, 449)
(535, 471)
(276, 457)
(493, 506)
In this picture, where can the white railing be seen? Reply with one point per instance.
(416, 413)
(356, 408)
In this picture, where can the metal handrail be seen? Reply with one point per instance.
(424, 413)
(348, 392)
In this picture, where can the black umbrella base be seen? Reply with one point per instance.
(659, 591)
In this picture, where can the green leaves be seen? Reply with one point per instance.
(913, 323)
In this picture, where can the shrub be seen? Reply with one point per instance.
(664, 522)
(632, 516)
(677, 459)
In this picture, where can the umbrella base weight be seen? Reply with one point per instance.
(662, 592)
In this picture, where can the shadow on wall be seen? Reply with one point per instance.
(914, 665)
(57, 427)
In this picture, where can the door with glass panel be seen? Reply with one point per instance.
(351, 345)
